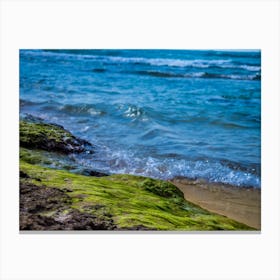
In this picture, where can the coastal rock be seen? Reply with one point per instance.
(23, 174)
(161, 188)
(137, 228)
(51, 137)
(90, 172)
(47, 208)
(69, 201)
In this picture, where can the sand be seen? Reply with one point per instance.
(240, 204)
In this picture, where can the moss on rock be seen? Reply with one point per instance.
(131, 202)
(161, 188)
(33, 156)
(50, 137)
(53, 199)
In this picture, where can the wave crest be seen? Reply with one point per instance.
(169, 168)
(181, 63)
(202, 75)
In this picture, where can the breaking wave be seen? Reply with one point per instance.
(203, 75)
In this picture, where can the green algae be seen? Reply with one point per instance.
(49, 137)
(34, 133)
(34, 156)
(161, 188)
(131, 201)
(48, 159)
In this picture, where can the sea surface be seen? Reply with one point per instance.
(157, 113)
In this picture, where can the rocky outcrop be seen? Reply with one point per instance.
(56, 199)
(49, 208)
(51, 137)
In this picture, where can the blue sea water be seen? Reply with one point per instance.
(158, 113)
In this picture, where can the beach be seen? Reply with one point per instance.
(140, 139)
(240, 204)
(56, 199)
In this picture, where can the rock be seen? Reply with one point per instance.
(34, 199)
(161, 188)
(51, 137)
(23, 174)
(140, 227)
(90, 172)
(48, 208)
(67, 190)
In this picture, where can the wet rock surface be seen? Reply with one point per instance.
(94, 173)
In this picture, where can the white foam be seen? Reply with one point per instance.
(250, 68)
(168, 62)
(127, 162)
(197, 63)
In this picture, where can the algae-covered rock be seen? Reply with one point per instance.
(116, 202)
(55, 199)
(161, 188)
(33, 156)
(51, 137)
(56, 160)
(46, 208)
(90, 172)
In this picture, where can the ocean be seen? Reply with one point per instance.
(156, 113)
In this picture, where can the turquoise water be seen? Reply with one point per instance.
(158, 113)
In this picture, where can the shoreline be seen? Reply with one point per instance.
(102, 201)
(239, 203)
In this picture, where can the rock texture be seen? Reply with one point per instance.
(46, 208)
(51, 137)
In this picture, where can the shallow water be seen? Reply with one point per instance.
(159, 113)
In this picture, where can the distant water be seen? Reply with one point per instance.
(158, 113)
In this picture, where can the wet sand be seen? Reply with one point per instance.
(237, 203)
